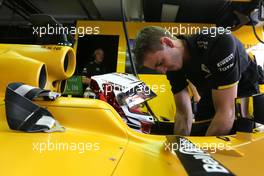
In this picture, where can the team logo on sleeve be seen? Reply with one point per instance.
(226, 63)
(202, 44)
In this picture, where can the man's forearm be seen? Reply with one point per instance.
(183, 124)
(220, 125)
(225, 111)
(183, 120)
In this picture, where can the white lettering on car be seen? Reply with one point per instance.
(209, 164)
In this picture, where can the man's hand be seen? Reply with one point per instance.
(183, 120)
(86, 80)
(224, 111)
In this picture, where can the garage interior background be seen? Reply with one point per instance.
(15, 26)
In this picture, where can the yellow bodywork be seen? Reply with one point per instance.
(96, 140)
(113, 148)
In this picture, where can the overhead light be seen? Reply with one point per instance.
(169, 12)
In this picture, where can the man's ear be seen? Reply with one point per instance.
(167, 41)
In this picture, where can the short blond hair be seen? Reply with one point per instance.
(148, 40)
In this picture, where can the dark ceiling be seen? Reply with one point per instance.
(68, 11)
(15, 14)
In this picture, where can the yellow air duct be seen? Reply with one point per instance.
(60, 60)
(17, 68)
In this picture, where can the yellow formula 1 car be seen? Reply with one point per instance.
(96, 140)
